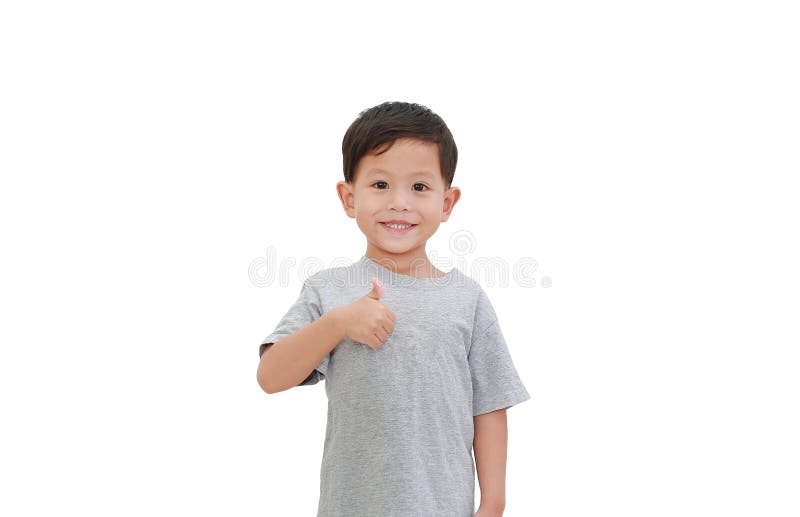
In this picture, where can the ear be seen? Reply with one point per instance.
(451, 197)
(346, 196)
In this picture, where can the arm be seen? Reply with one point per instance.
(490, 446)
(291, 359)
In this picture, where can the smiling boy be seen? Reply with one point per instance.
(416, 369)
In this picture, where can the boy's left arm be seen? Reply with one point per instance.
(490, 446)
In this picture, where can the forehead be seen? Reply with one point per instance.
(405, 158)
(377, 171)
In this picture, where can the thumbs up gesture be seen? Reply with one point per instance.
(367, 320)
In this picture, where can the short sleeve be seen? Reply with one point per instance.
(495, 381)
(301, 314)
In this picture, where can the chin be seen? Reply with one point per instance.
(392, 247)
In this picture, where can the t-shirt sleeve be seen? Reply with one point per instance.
(301, 314)
(495, 381)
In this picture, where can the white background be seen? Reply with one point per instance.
(644, 154)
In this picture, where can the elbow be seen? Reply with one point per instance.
(269, 388)
(265, 381)
(263, 377)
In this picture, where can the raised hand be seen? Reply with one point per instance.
(367, 320)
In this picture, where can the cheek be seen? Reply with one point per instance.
(367, 205)
(433, 212)
(365, 212)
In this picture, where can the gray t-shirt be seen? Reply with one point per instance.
(399, 431)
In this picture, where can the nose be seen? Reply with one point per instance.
(399, 200)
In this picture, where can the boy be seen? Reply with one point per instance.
(417, 370)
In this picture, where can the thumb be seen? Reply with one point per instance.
(377, 289)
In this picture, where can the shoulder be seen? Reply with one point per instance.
(476, 297)
(331, 278)
(467, 285)
(483, 313)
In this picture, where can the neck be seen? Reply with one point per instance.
(409, 264)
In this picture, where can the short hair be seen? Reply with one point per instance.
(383, 124)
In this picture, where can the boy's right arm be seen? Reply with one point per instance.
(291, 359)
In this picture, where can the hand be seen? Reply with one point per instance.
(367, 320)
(485, 511)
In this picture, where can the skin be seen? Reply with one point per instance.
(395, 193)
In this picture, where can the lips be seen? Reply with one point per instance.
(398, 221)
(398, 228)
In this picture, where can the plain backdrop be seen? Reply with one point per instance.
(643, 154)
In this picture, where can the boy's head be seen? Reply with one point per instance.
(399, 163)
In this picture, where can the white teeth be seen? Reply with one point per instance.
(398, 226)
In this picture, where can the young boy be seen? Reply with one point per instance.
(417, 370)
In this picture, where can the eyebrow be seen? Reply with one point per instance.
(425, 174)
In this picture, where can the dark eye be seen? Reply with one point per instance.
(425, 187)
(377, 182)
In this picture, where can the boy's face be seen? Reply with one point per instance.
(404, 183)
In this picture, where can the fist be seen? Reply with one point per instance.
(367, 320)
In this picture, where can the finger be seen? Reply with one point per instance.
(377, 289)
(382, 334)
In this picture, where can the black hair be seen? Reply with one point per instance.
(383, 124)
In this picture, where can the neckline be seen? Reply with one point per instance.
(383, 273)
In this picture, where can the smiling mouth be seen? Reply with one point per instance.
(398, 228)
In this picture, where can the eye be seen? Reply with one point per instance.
(377, 182)
(421, 185)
